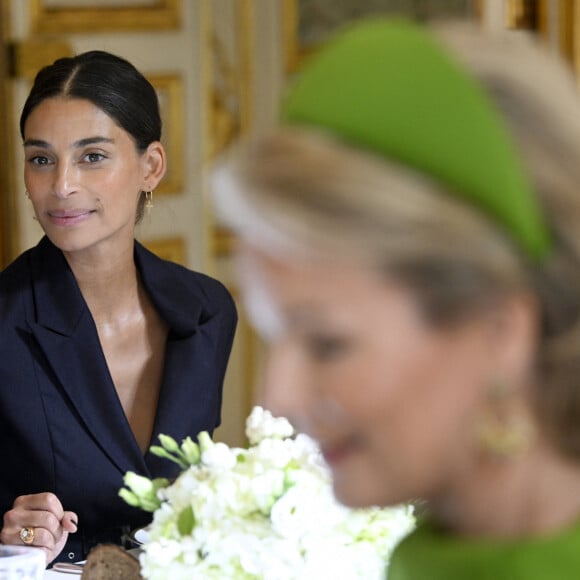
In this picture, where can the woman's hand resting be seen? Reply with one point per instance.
(44, 514)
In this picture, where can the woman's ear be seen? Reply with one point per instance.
(517, 335)
(155, 165)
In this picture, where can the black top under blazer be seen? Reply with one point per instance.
(62, 427)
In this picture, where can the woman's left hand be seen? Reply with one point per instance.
(45, 523)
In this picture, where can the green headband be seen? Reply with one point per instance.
(387, 86)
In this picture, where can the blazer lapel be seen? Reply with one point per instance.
(66, 333)
(183, 400)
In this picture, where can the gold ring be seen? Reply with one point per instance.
(27, 535)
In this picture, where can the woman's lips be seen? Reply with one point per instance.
(69, 217)
(338, 452)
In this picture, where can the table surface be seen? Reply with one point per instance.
(52, 575)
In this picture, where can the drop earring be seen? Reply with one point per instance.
(148, 200)
(503, 432)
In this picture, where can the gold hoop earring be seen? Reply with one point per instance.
(503, 432)
(148, 200)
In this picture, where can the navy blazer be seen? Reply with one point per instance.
(62, 427)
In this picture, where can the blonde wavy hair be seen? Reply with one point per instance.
(302, 190)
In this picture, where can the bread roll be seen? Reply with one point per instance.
(110, 562)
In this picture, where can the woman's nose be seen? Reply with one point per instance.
(64, 183)
(284, 384)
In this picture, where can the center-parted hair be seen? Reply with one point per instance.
(108, 81)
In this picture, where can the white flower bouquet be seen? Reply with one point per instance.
(265, 512)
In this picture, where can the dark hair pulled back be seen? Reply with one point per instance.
(108, 81)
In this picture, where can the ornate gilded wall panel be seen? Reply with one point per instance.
(230, 40)
(169, 89)
(230, 99)
(61, 16)
(229, 63)
(172, 249)
(307, 23)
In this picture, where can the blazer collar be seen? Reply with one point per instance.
(64, 329)
(60, 304)
(172, 298)
(58, 301)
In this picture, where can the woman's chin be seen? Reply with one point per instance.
(357, 492)
(365, 489)
(66, 241)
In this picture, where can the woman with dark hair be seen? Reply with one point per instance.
(103, 346)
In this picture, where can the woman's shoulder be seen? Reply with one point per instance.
(42, 251)
(15, 291)
(17, 271)
(429, 553)
(32, 263)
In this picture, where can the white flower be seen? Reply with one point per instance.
(218, 456)
(265, 512)
(261, 424)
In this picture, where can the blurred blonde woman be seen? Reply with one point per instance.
(410, 249)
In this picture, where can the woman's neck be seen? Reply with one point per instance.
(528, 495)
(108, 280)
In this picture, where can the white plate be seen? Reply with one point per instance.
(140, 536)
(68, 568)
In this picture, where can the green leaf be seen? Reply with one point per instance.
(159, 483)
(169, 443)
(129, 497)
(191, 452)
(150, 505)
(186, 521)
(205, 441)
(138, 484)
(142, 492)
(161, 452)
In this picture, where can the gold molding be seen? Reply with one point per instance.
(169, 87)
(157, 15)
(245, 26)
(568, 11)
(251, 345)
(543, 18)
(172, 249)
(226, 124)
(205, 74)
(575, 34)
(29, 56)
(289, 26)
(566, 29)
(227, 73)
(223, 242)
(8, 230)
(294, 54)
(230, 100)
(521, 14)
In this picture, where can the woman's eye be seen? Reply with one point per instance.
(39, 160)
(325, 348)
(93, 157)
